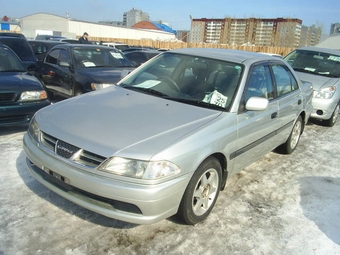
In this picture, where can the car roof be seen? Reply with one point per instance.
(10, 34)
(325, 50)
(90, 46)
(237, 56)
(46, 41)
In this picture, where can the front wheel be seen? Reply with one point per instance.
(201, 193)
(331, 121)
(290, 145)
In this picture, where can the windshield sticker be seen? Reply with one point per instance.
(334, 58)
(147, 84)
(310, 69)
(88, 64)
(116, 55)
(216, 98)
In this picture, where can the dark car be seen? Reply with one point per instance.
(140, 56)
(21, 47)
(49, 37)
(74, 69)
(21, 94)
(41, 47)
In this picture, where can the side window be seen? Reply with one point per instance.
(52, 57)
(260, 83)
(285, 81)
(64, 56)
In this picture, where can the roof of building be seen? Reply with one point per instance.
(153, 26)
(332, 42)
(164, 27)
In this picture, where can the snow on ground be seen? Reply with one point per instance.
(281, 204)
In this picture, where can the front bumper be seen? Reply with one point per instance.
(20, 113)
(126, 201)
(323, 108)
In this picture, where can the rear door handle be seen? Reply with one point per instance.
(274, 115)
(300, 101)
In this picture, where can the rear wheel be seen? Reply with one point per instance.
(201, 193)
(290, 145)
(331, 121)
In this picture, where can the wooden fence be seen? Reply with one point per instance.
(177, 44)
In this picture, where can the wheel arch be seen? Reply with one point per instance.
(223, 161)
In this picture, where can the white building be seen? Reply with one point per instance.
(44, 23)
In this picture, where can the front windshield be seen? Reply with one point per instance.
(193, 80)
(316, 62)
(95, 57)
(10, 62)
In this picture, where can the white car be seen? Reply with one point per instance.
(321, 67)
(165, 139)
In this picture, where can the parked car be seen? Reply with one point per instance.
(41, 47)
(116, 45)
(141, 56)
(21, 47)
(21, 95)
(321, 67)
(73, 69)
(165, 139)
(50, 37)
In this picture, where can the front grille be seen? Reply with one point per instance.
(7, 97)
(71, 152)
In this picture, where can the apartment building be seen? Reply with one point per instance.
(252, 31)
(134, 16)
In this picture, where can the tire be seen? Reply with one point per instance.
(201, 193)
(290, 145)
(331, 121)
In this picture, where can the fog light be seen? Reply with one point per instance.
(319, 112)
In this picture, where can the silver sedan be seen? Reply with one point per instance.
(165, 139)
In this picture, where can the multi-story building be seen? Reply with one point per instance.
(260, 32)
(134, 16)
(335, 28)
(310, 36)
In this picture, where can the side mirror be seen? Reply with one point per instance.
(257, 104)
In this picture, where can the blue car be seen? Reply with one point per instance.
(21, 94)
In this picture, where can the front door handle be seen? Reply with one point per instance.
(274, 115)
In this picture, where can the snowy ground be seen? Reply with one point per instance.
(281, 204)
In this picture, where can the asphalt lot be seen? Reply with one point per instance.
(281, 204)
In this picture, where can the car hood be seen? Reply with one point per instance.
(18, 82)
(318, 81)
(117, 121)
(104, 74)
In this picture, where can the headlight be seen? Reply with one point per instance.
(326, 93)
(33, 129)
(97, 86)
(32, 95)
(140, 169)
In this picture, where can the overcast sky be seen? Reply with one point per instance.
(176, 12)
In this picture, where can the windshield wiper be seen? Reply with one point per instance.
(149, 91)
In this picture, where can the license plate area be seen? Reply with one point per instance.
(55, 175)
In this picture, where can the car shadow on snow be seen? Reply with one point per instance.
(320, 198)
(63, 203)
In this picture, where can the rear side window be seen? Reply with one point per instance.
(285, 81)
(52, 57)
